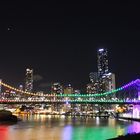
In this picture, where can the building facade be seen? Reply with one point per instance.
(102, 62)
(57, 88)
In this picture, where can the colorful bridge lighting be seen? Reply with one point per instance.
(73, 95)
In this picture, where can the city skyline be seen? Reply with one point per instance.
(106, 79)
(69, 71)
(60, 42)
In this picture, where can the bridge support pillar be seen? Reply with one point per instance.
(138, 89)
(136, 111)
(138, 95)
(0, 85)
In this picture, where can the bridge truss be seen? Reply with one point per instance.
(127, 94)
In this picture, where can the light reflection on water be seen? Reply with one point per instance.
(42, 127)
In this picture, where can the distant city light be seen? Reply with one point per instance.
(100, 50)
(109, 73)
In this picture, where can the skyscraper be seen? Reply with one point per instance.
(29, 80)
(102, 62)
(102, 80)
(109, 81)
(57, 88)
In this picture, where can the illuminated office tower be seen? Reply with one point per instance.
(93, 87)
(102, 62)
(68, 89)
(110, 82)
(93, 76)
(29, 80)
(101, 81)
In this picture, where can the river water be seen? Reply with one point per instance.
(46, 127)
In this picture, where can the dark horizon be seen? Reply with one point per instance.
(60, 41)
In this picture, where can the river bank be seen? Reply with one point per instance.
(128, 118)
(127, 137)
(7, 116)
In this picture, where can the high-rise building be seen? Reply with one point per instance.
(29, 80)
(102, 62)
(57, 88)
(93, 87)
(93, 76)
(102, 80)
(68, 89)
(110, 81)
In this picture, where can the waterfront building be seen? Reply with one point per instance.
(56, 88)
(68, 89)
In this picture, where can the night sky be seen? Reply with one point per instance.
(60, 41)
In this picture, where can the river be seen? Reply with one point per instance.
(46, 127)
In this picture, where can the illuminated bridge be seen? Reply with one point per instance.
(127, 94)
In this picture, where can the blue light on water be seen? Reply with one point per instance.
(67, 133)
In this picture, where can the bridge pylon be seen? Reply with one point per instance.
(138, 88)
(0, 85)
